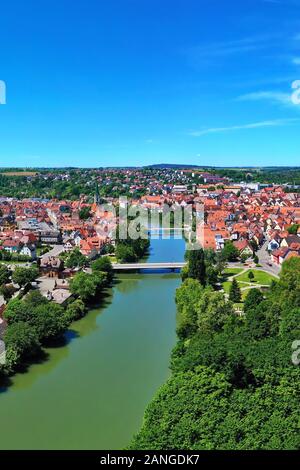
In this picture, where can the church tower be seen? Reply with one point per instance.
(97, 198)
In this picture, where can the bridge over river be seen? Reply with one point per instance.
(152, 266)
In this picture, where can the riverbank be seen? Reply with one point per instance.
(92, 392)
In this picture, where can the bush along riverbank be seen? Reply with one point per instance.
(234, 385)
(34, 322)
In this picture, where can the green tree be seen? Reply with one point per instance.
(187, 298)
(104, 264)
(5, 274)
(17, 311)
(87, 286)
(34, 298)
(253, 298)
(49, 321)
(75, 310)
(293, 229)
(213, 311)
(76, 259)
(23, 276)
(22, 338)
(85, 213)
(235, 292)
(251, 276)
(196, 266)
(125, 253)
(230, 252)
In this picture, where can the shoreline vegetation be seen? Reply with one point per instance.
(233, 384)
(34, 322)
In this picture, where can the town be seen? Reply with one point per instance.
(261, 221)
(58, 256)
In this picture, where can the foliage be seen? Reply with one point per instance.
(21, 338)
(230, 252)
(7, 290)
(233, 385)
(235, 292)
(293, 229)
(75, 310)
(5, 274)
(254, 298)
(87, 286)
(85, 213)
(196, 265)
(75, 259)
(23, 276)
(103, 264)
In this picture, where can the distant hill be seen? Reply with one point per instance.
(174, 166)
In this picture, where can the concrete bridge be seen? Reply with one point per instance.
(153, 266)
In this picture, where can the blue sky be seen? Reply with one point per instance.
(134, 82)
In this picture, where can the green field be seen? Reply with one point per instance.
(260, 277)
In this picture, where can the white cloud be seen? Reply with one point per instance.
(255, 125)
(296, 60)
(272, 96)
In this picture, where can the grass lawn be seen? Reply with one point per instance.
(226, 286)
(229, 272)
(260, 277)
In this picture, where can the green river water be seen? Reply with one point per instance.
(92, 392)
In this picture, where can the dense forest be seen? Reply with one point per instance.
(233, 384)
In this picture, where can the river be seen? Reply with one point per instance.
(92, 392)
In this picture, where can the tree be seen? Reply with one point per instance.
(76, 259)
(23, 276)
(75, 310)
(49, 321)
(85, 213)
(108, 249)
(17, 311)
(244, 257)
(253, 245)
(4, 274)
(104, 264)
(293, 229)
(253, 298)
(230, 252)
(34, 298)
(196, 266)
(213, 311)
(235, 292)
(87, 286)
(187, 298)
(251, 276)
(125, 253)
(7, 290)
(22, 338)
(211, 275)
(289, 284)
(175, 421)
